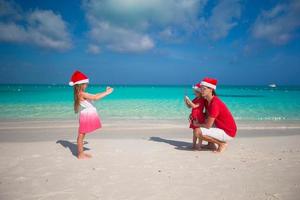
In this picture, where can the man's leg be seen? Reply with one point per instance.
(221, 145)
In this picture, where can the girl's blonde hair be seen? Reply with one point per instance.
(77, 90)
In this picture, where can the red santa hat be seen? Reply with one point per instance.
(197, 87)
(78, 78)
(210, 82)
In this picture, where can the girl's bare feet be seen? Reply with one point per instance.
(221, 148)
(88, 155)
(83, 156)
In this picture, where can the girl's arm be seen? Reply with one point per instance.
(187, 105)
(190, 104)
(97, 96)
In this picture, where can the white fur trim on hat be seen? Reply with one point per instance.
(79, 82)
(196, 88)
(204, 83)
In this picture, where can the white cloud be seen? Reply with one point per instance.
(224, 17)
(135, 25)
(131, 25)
(173, 35)
(43, 28)
(167, 33)
(10, 32)
(120, 39)
(140, 14)
(278, 25)
(93, 49)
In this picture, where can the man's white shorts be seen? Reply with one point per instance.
(216, 133)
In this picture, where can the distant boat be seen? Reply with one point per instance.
(272, 85)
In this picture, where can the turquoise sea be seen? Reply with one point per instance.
(147, 102)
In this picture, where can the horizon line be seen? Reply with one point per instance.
(104, 84)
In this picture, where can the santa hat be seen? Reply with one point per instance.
(210, 82)
(78, 78)
(197, 87)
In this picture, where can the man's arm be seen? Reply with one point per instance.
(208, 123)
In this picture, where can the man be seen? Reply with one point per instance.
(219, 115)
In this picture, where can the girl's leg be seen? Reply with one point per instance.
(199, 139)
(194, 139)
(81, 154)
(80, 138)
(200, 142)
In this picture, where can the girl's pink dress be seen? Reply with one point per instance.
(89, 119)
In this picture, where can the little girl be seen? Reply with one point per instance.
(197, 114)
(88, 116)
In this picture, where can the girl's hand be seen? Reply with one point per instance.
(187, 103)
(109, 90)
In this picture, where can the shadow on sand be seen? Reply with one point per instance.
(179, 145)
(72, 146)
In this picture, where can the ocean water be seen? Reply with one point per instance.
(147, 102)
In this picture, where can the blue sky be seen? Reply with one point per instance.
(150, 42)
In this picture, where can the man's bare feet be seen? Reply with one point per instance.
(83, 156)
(209, 146)
(196, 147)
(221, 148)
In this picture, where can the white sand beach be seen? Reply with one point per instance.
(147, 160)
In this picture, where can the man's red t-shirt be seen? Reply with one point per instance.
(223, 118)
